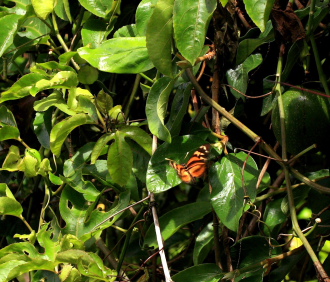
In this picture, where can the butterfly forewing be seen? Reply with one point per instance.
(196, 166)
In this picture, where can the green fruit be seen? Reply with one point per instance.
(306, 120)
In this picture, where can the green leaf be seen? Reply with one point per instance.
(228, 192)
(143, 14)
(22, 87)
(63, 79)
(120, 160)
(6, 117)
(119, 55)
(175, 219)
(100, 8)
(42, 126)
(179, 108)
(126, 31)
(54, 99)
(160, 175)
(104, 102)
(139, 136)
(9, 132)
(31, 162)
(100, 145)
(156, 107)
(190, 21)
(62, 10)
(273, 217)
(34, 27)
(87, 74)
(94, 32)
(247, 46)
(13, 160)
(207, 272)
(9, 25)
(8, 203)
(62, 129)
(43, 8)
(259, 11)
(160, 35)
(75, 209)
(204, 244)
(238, 77)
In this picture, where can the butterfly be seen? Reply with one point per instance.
(196, 167)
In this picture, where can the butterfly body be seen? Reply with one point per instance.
(196, 167)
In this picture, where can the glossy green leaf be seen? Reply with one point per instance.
(247, 46)
(62, 129)
(160, 35)
(87, 74)
(13, 160)
(179, 108)
(229, 190)
(143, 14)
(156, 108)
(208, 272)
(9, 25)
(190, 21)
(120, 160)
(204, 244)
(139, 136)
(160, 175)
(63, 79)
(100, 145)
(42, 126)
(8, 203)
(22, 87)
(94, 32)
(119, 55)
(259, 11)
(8, 126)
(43, 8)
(175, 219)
(100, 8)
(238, 78)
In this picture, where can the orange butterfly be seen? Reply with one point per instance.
(196, 166)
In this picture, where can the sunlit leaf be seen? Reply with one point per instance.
(94, 32)
(190, 20)
(22, 87)
(259, 11)
(43, 8)
(9, 25)
(119, 55)
(160, 35)
(8, 203)
(100, 8)
(62, 129)
(143, 14)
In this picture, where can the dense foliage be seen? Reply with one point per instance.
(103, 102)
